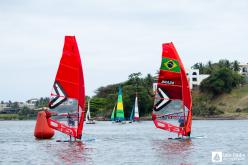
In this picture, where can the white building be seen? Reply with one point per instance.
(31, 103)
(21, 104)
(3, 106)
(195, 78)
(244, 70)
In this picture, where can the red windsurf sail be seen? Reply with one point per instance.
(67, 103)
(172, 106)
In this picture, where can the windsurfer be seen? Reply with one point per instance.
(188, 135)
(181, 126)
(181, 122)
(71, 122)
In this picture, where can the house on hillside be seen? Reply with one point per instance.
(195, 78)
(31, 103)
(3, 106)
(6, 108)
(244, 70)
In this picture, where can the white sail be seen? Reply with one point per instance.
(136, 109)
(88, 117)
(88, 112)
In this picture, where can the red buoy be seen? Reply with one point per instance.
(42, 130)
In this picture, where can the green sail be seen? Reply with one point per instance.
(132, 114)
(113, 114)
(119, 109)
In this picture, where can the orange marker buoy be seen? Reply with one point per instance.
(42, 130)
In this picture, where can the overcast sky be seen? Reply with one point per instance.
(115, 38)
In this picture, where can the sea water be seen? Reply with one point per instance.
(105, 143)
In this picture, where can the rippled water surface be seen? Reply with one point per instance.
(138, 143)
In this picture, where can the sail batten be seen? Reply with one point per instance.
(68, 82)
(68, 66)
(170, 85)
(172, 103)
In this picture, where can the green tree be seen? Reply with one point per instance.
(42, 102)
(15, 105)
(26, 113)
(235, 66)
(199, 66)
(224, 63)
(221, 81)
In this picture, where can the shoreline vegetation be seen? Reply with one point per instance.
(221, 96)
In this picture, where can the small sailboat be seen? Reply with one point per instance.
(136, 109)
(67, 103)
(134, 116)
(88, 118)
(172, 109)
(118, 111)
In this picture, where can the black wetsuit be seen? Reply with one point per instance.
(71, 122)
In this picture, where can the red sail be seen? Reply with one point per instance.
(67, 102)
(172, 106)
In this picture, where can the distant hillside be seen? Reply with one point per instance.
(229, 105)
(237, 99)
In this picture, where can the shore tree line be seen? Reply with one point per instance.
(224, 76)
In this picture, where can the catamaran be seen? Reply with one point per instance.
(118, 111)
(67, 103)
(172, 109)
(88, 118)
(134, 116)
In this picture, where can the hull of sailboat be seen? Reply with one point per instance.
(136, 118)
